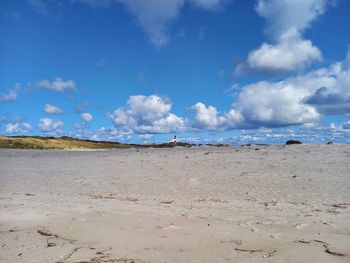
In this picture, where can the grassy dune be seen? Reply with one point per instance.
(37, 142)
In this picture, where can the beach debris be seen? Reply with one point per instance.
(217, 200)
(289, 142)
(200, 200)
(334, 253)
(46, 233)
(333, 211)
(269, 254)
(30, 194)
(326, 223)
(325, 246)
(50, 244)
(328, 250)
(340, 205)
(248, 250)
(167, 202)
(131, 199)
(113, 197)
(237, 242)
(303, 241)
(71, 253)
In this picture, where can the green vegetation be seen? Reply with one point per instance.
(38, 142)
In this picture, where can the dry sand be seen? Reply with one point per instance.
(200, 204)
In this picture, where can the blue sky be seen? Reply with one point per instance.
(232, 71)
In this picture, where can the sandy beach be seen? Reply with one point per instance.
(198, 204)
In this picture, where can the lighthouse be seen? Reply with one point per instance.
(174, 139)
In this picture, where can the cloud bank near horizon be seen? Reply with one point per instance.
(300, 100)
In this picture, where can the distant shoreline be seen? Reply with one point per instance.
(69, 143)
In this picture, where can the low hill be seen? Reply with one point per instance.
(38, 142)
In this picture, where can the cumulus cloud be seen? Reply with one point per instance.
(58, 84)
(295, 100)
(87, 117)
(329, 102)
(50, 125)
(147, 114)
(18, 127)
(267, 104)
(282, 15)
(52, 109)
(334, 96)
(289, 54)
(286, 22)
(10, 95)
(207, 118)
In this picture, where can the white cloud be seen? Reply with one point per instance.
(267, 104)
(10, 95)
(18, 127)
(289, 54)
(286, 22)
(209, 119)
(12, 127)
(155, 16)
(52, 109)
(87, 117)
(147, 114)
(206, 116)
(295, 100)
(50, 125)
(282, 15)
(333, 96)
(57, 84)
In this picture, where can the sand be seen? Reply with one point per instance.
(199, 204)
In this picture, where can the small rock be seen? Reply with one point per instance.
(293, 142)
